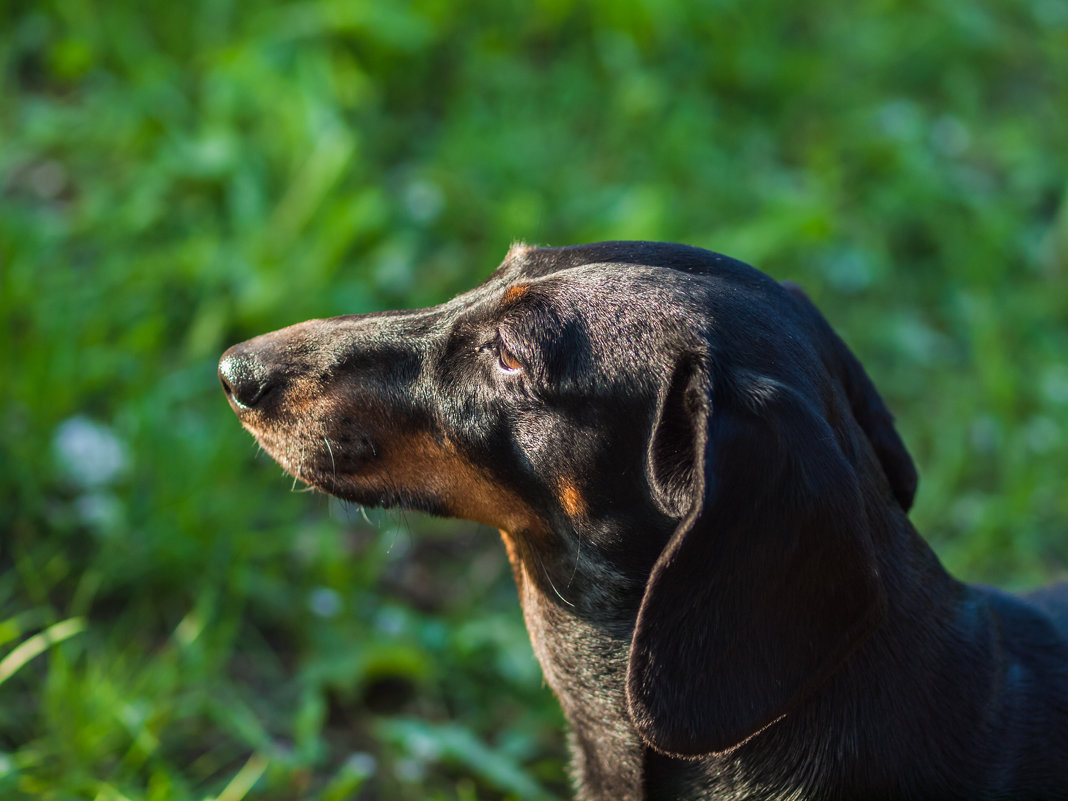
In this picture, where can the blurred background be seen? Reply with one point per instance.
(175, 622)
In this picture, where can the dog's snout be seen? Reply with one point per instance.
(245, 378)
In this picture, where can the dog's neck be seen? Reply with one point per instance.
(584, 656)
(580, 611)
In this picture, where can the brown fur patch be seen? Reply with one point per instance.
(511, 547)
(570, 498)
(424, 465)
(514, 293)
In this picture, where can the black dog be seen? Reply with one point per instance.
(704, 502)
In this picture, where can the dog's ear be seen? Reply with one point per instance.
(670, 458)
(868, 407)
(770, 579)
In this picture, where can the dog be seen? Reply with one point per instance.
(704, 502)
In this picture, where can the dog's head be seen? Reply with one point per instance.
(672, 409)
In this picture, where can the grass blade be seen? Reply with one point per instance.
(245, 779)
(38, 644)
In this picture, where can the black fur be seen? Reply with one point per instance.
(705, 504)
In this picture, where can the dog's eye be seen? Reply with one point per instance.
(507, 360)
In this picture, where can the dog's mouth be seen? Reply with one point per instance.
(415, 468)
(328, 445)
(340, 463)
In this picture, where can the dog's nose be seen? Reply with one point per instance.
(245, 378)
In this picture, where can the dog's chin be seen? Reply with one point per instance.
(349, 490)
(348, 467)
(363, 491)
(324, 463)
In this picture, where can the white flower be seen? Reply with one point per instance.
(89, 453)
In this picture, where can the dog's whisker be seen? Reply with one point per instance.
(333, 465)
(363, 513)
(578, 558)
(549, 578)
(298, 473)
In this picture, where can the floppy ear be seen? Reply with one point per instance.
(768, 582)
(670, 458)
(868, 407)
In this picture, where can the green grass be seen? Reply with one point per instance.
(174, 622)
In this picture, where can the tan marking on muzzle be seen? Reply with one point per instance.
(423, 464)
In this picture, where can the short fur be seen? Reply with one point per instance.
(704, 501)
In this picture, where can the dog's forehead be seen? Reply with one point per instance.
(537, 261)
(614, 287)
(627, 267)
(611, 306)
(639, 283)
(648, 302)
